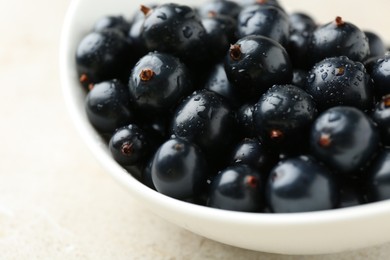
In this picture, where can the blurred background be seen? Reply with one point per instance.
(56, 202)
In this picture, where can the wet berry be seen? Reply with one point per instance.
(283, 116)
(108, 106)
(129, 145)
(340, 81)
(339, 38)
(175, 29)
(103, 55)
(158, 82)
(203, 119)
(255, 63)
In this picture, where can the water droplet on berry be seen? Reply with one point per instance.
(311, 77)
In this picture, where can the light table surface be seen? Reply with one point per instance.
(56, 202)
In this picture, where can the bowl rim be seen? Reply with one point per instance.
(97, 146)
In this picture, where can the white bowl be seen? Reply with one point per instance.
(299, 233)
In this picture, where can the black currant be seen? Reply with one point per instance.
(283, 116)
(175, 29)
(301, 184)
(265, 20)
(381, 116)
(255, 63)
(179, 169)
(103, 55)
(129, 145)
(338, 38)
(158, 82)
(237, 188)
(345, 139)
(108, 106)
(206, 119)
(340, 81)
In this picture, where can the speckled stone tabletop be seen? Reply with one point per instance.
(56, 202)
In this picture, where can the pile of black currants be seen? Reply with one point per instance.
(241, 105)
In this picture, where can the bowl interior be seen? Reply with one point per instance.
(300, 233)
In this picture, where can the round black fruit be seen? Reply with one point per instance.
(158, 82)
(256, 63)
(283, 116)
(179, 169)
(301, 184)
(340, 81)
(206, 119)
(237, 188)
(345, 139)
(108, 106)
(103, 55)
(129, 145)
(339, 38)
(175, 29)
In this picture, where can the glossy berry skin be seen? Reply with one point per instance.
(301, 22)
(129, 145)
(220, 7)
(377, 46)
(301, 29)
(345, 139)
(282, 117)
(297, 46)
(251, 152)
(237, 188)
(300, 78)
(206, 119)
(179, 169)
(175, 29)
(112, 22)
(220, 33)
(255, 63)
(378, 181)
(218, 82)
(380, 73)
(381, 116)
(246, 127)
(108, 106)
(340, 81)
(103, 55)
(339, 38)
(158, 82)
(135, 36)
(264, 20)
(301, 184)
